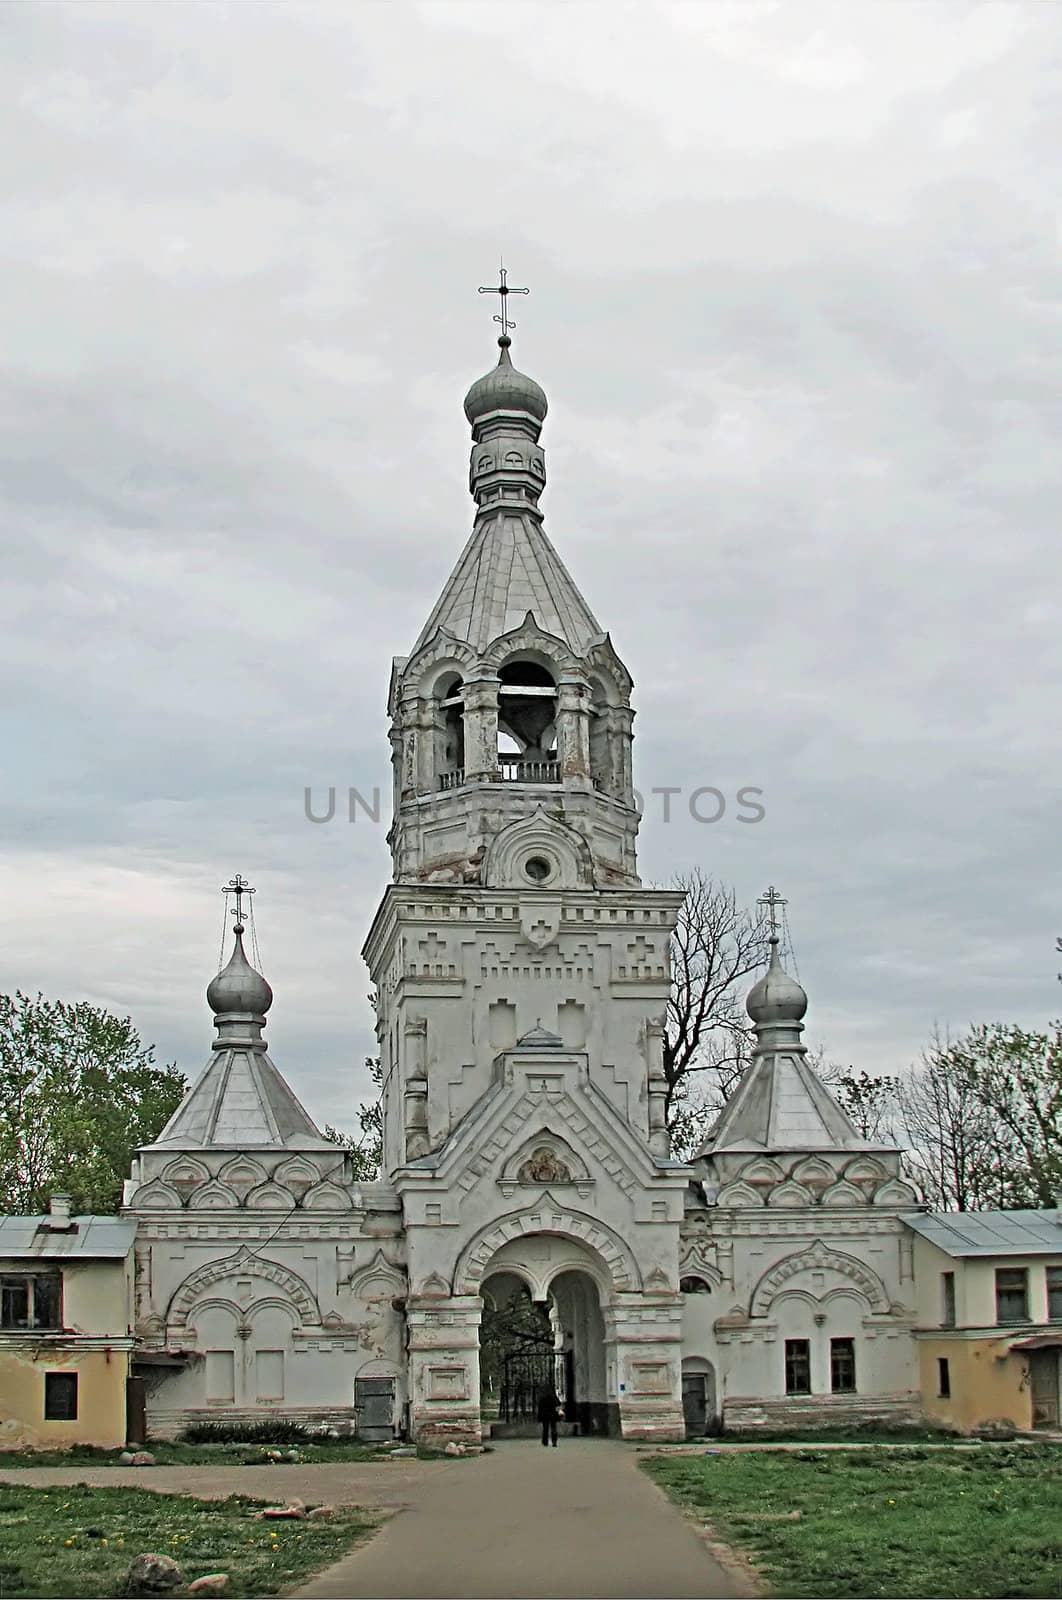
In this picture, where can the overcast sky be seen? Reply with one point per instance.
(796, 304)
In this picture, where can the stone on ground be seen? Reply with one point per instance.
(152, 1574)
(210, 1583)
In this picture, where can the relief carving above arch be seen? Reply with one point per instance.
(819, 1258)
(244, 1264)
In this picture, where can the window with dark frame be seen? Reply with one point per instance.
(1012, 1294)
(60, 1397)
(797, 1366)
(694, 1286)
(947, 1287)
(943, 1378)
(30, 1300)
(842, 1366)
(1054, 1294)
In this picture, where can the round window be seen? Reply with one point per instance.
(537, 869)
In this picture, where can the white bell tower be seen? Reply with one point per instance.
(521, 970)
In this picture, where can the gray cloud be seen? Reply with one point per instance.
(796, 305)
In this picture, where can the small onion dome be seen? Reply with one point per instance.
(505, 389)
(776, 997)
(238, 987)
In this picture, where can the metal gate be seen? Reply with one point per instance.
(374, 1408)
(526, 1374)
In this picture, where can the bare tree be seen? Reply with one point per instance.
(954, 1143)
(716, 947)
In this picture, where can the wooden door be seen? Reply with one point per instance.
(1043, 1368)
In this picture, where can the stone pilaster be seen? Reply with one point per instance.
(643, 1339)
(573, 728)
(481, 728)
(444, 1368)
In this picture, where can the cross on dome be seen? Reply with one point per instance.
(504, 289)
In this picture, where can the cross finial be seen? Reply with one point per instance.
(772, 903)
(239, 887)
(504, 289)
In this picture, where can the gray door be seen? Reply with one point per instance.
(695, 1404)
(1044, 1380)
(374, 1407)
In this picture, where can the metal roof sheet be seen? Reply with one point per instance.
(93, 1237)
(990, 1233)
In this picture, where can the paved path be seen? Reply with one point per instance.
(578, 1521)
(581, 1520)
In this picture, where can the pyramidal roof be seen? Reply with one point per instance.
(241, 1100)
(508, 568)
(781, 1105)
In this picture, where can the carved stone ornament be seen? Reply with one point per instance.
(542, 1166)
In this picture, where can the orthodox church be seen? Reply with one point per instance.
(521, 978)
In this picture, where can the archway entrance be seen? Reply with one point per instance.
(577, 1308)
(518, 1356)
(543, 1327)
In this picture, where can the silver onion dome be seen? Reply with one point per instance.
(776, 997)
(505, 389)
(238, 988)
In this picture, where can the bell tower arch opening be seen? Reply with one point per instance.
(448, 715)
(527, 721)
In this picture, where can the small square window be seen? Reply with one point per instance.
(943, 1378)
(1012, 1294)
(842, 1366)
(60, 1397)
(797, 1366)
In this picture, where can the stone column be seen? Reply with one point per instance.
(573, 729)
(621, 738)
(643, 1337)
(415, 1092)
(444, 1368)
(659, 1142)
(481, 728)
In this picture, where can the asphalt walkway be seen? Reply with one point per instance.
(581, 1520)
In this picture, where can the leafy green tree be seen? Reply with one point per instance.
(982, 1116)
(871, 1102)
(79, 1093)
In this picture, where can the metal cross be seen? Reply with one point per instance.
(772, 900)
(503, 289)
(239, 887)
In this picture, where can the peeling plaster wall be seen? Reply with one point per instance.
(101, 1397)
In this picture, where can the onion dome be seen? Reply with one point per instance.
(238, 988)
(776, 997)
(505, 389)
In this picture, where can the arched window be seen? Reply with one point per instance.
(694, 1286)
(449, 731)
(527, 723)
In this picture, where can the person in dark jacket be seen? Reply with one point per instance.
(548, 1410)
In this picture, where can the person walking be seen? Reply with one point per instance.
(548, 1411)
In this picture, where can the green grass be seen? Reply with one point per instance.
(891, 1522)
(80, 1541)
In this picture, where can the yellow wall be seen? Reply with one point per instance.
(100, 1397)
(983, 1387)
